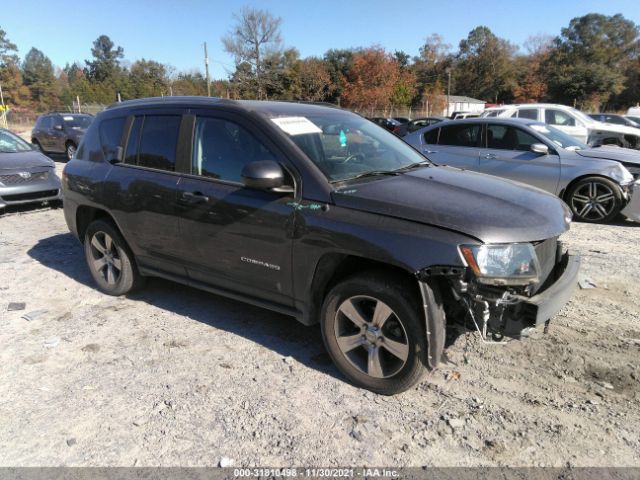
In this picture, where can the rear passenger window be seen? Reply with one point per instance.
(531, 113)
(222, 149)
(111, 136)
(431, 137)
(153, 141)
(466, 135)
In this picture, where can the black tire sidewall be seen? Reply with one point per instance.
(605, 181)
(128, 274)
(406, 308)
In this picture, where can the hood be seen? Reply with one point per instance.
(624, 155)
(491, 209)
(613, 127)
(21, 160)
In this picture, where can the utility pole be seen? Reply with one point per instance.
(206, 69)
(448, 89)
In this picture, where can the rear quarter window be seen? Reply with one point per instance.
(111, 136)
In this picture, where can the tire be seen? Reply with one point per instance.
(594, 200)
(117, 273)
(70, 150)
(361, 296)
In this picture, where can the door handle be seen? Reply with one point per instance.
(194, 197)
(490, 156)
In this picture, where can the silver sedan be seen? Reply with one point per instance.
(592, 181)
(26, 175)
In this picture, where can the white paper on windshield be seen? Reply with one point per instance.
(68, 119)
(540, 128)
(296, 125)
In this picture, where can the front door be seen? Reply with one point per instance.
(236, 238)
(508, 154)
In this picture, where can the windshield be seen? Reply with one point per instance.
(559, 138)
(582, 116)
(10, 143)
(77, 121)
(344, 145)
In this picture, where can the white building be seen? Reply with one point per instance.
(459, 103)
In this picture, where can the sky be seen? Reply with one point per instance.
(173, 32)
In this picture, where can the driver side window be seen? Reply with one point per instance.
(559, 118)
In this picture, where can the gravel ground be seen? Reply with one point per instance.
(174, 376)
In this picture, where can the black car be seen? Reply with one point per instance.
(60, 132)
(417, 124)
(390, 124)
(615, 119)
(317, 213)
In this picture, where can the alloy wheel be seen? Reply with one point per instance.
(106, 261)
(371, 336)
(593, 201)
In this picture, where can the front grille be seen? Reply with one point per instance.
(30, 196)
(546, 252)
(17, 179)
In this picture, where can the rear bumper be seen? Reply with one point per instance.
(632, 209)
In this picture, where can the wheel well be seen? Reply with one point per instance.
(563, 193)
(85, 215)
(333, 268)
(69, 142)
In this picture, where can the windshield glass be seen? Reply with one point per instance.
(344, 145)
(77, 121)
(10, 143)
(559, 138)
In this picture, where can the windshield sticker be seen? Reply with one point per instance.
(540, 128)
(296, 125)
(68, 119)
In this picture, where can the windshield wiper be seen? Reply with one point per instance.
(372, 173)
(423, 163)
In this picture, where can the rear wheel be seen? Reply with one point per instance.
(70, 150)
(109, 259)
(595, 200)
(373, 331)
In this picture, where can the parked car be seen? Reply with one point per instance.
(614, 119)
(317, 213)
(417, 124)
(390, 124)
(634, 119)
(26, 175)
(634, 111)
(402, 120)
(595, 187)
(463, 115)
(571, 121)
(60, 132)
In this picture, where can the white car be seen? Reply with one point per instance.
(573, 122)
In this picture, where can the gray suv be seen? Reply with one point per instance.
(60, 132)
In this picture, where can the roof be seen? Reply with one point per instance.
(530, 105)
(463, 99)
(270, 108)
(496, 120)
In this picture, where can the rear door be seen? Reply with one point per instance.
(457, 145)
(57, 134)
(141, 192)
(508, 154)
(236, 238)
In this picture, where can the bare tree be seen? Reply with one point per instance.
(254, 38)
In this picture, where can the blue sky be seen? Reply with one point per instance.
(172, 32)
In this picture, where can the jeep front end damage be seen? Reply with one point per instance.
(508, 289)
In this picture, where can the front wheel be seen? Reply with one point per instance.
(109, 259)
(595, 200)
(373, 331)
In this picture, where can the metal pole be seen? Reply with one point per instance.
(206, 69)
(78, 101)
(448, 89)
(3, 114)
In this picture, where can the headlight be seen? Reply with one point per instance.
(503, 264)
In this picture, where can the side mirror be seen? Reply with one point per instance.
(540, 148)
(264, 175)
(58, 127)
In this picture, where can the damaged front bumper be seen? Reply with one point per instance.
(632, 209)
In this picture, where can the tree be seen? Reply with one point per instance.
(484, 67)
(338, 63)
(190, 84)
(13, 89)
(371, 80)
(254, 38)
(38, 75)
(106, 60)
(587, 64)
(315, 80)
(8, 50)
(531, 83)
(148, 78)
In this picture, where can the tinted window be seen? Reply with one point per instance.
(45, 123)
(131, 155)
(222, 149)
(531, 113)
(614, 119)
(467, 135)
(56, 121)
(558, 117)
(503, 137)
(159, 141)
(111, 136)
(431, 137)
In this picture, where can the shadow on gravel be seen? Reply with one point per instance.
(274, 331)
